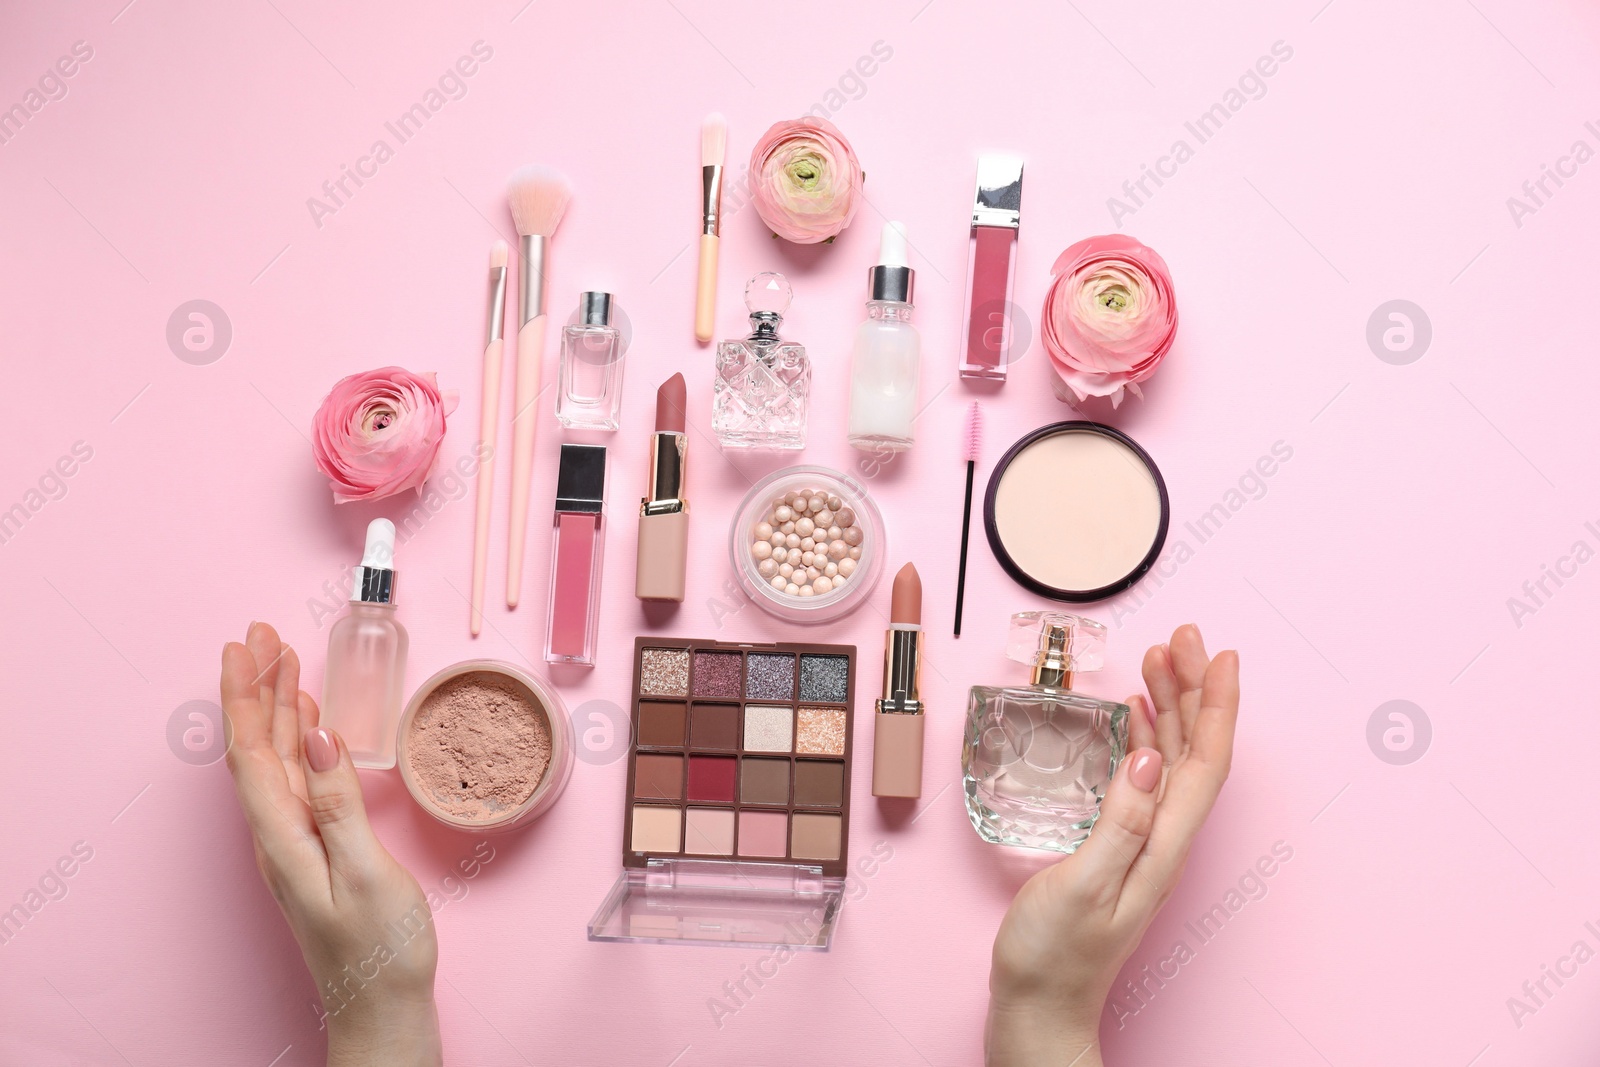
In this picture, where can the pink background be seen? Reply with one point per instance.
(1375, 564)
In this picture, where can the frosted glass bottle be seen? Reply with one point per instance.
(1036, 760)
(886, 364)
(364, 681)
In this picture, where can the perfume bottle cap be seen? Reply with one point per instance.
(1056, 644)
(768, 294)
(374, 575)
(594, 309)
(892, 279)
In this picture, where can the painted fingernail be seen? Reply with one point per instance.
(1145, 770)
(322, 751)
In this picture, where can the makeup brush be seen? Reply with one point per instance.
(974, 442)
(713, 151)
(538, 197)
(488, 426)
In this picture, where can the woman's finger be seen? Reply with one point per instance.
(286, 707)
(334, 794)
(1163, 687)
(279, 820)
(1127, 815)
(1189, 661)
(1192, 785)
(263, 643)
(1141, 723)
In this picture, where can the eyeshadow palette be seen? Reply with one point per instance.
(741, 754)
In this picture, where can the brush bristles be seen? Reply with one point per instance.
(974, 435)
(498, 255)
(538, 197)
(713, 140)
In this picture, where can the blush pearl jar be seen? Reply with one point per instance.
(807, 544)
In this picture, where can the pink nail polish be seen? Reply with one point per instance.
(1145, 769)
(322, 751)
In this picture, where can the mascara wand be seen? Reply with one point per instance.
(974, 439)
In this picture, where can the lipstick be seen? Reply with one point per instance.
(897, 727)
(991, 265)
(664, 514)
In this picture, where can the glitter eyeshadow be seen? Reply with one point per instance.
(769, 677)
(716, 674)
(664, 672)
(820, 731)
(825, 679)
(768, 729)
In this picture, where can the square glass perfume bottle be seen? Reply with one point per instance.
(1036, 759)
(763, 382)
(589, 390)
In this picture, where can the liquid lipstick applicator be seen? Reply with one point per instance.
(897, 726)
(991, 266)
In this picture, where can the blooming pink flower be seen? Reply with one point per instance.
(377, 433)
(1109, 317)
(805, 180)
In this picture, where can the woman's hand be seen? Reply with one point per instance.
(362, 922)
(1073, 925)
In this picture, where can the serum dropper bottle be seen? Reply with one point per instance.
(365, 674)
(887, 362)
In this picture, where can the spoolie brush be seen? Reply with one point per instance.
(538, 197)
(974, 442)
(713, 153)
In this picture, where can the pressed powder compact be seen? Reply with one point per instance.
(1076, 511)
(736, 823)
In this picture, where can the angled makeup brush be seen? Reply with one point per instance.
(713, 151)
(538, 197)
(488, 426)
(973, 444)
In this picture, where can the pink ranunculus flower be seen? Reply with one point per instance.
(805, 180)
(1109, 317)
(377, 433)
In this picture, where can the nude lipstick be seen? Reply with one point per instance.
(897, 727)
(991, 265)
(664, 514)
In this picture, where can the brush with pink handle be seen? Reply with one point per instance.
(538, 198)
(488, 426)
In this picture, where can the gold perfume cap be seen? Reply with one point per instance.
(1057, 645)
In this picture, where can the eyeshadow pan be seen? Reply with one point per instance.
(825, 679)
(769, 676)
(658, 777)
(655, 828)
(818, 783)
(816, 837)
(661, 725)
(820, 732)
(711, 778)
(763, 781)
(763, 834)
(709, 832)
(768, 728)
(664, 672)
(716, 674)
(714, 727)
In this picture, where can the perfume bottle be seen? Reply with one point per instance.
(887, 362)
(589, 390)
(366, 670)
(1036, 759)
(763, 382)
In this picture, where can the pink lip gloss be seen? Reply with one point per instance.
(574, 616)
(991, 265)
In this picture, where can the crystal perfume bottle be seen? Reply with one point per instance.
(763, 382)
(589, 391)
(1036, 759)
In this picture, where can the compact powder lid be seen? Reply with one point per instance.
(1076, 511)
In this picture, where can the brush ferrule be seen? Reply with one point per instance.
(711, 199)
(530, 279)
(497, 304)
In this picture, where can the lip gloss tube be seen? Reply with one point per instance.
(574, 617)
(991, 267)
(898, 725)
(662, 562)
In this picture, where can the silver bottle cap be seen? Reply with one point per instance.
(594, 309)
(892, 280)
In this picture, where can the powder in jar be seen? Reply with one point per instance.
(479, 745)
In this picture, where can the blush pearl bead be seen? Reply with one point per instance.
(834, 503)
(786, 529)
(847, 567)
(807, 543)
(844, 516)
(835, 533)
(763, 531)
(803, 527)
(837, 548)
(761, 549)
(855, 553)
(792, 541)
(829, 571)
(852, 535)
(792, 589)
(786, 569)
(822, 584)
(767, 568)
(783, 514)
(779, 581)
